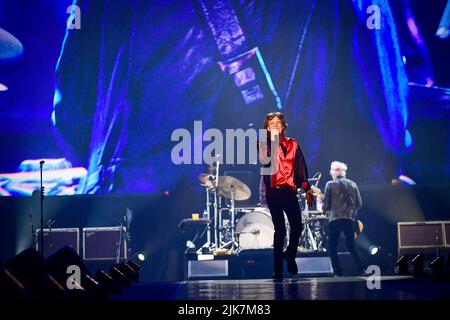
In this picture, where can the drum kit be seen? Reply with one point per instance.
(232, 229)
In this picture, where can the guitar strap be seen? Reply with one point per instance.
(238, 60)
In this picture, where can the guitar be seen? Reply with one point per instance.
(359, 227)
(317, 191)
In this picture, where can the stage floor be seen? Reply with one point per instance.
(321, 288)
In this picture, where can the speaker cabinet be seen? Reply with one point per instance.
(55, 239)
(421, 236)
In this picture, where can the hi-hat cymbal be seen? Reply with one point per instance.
(229, 184)
(10, 46)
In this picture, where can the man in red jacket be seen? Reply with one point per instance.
(289, 174)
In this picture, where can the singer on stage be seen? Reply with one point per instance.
(289, 174)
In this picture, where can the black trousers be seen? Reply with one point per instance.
(284, 200)
(335, 228)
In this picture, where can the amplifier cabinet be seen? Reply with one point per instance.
(104, 243)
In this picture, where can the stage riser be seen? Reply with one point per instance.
(257, 267)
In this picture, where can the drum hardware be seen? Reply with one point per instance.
(232, 242)
(217, 187)
(208, 180)
(307, 236)
(252, 227)
(313, 235)
(315, 179)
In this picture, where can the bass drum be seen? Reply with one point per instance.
(255, 230)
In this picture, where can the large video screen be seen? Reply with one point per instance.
(116, 97)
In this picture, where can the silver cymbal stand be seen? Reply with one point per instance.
(208, 216)
(216, 204)
(232, 241)
(307, 235)
(210, 189)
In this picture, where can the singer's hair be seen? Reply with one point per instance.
(272, 115)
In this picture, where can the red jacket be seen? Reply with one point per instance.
(290, 169)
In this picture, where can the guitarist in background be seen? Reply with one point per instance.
(341, 202)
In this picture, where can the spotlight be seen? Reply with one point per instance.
(141, 256)
(373, 250)
(418, 263)
(437, 266)
(402, 265)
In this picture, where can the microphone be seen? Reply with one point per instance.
(41, 162)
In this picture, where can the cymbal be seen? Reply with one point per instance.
(227, 184)
(10, 46)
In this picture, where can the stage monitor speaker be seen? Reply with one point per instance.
(314, 266)
(10, 286)
(29, 268)
(208, 269)
(420, 236)
(60, 265)
(104, 243)
(256, 263)
(57, 238)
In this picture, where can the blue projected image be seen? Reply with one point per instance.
(98, 96)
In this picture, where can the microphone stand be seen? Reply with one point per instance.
(33, 233)
(42, 212)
